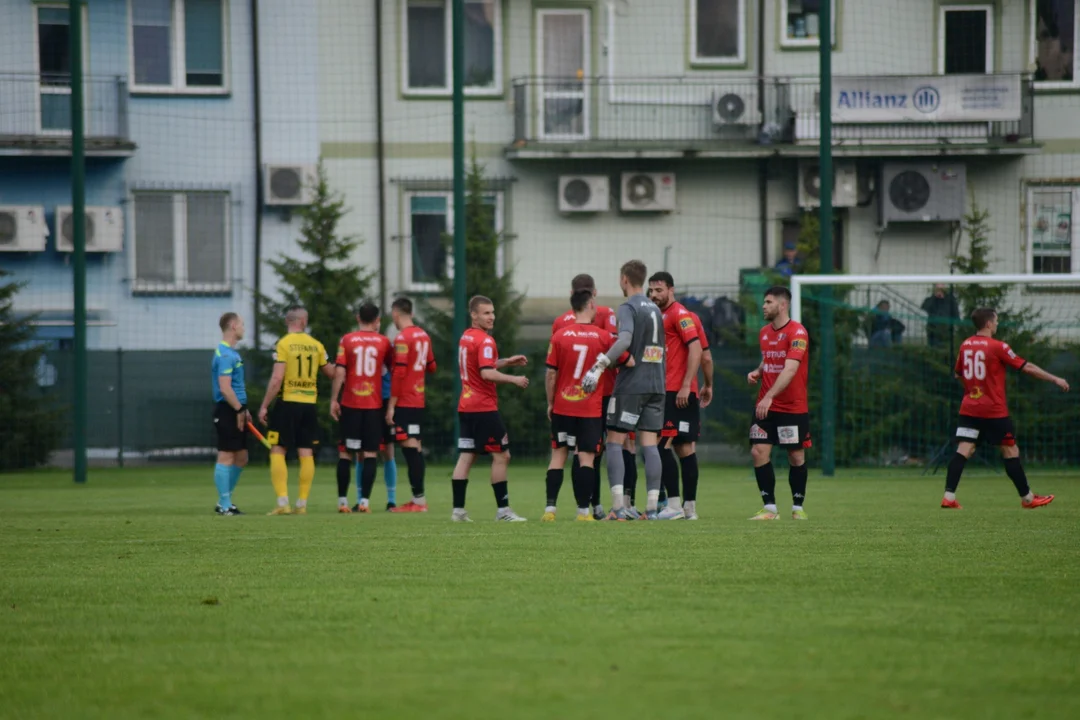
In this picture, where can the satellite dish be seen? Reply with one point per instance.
(641, 189)
(909, 191)
(577, 193)
(730, 107)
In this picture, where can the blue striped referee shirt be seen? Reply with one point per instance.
(228, 362)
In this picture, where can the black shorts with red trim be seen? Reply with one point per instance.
(789, 430)
(408, 423)
(992, 431)
(577, 433)
(361, 430)
(682, 426)
(482, 433)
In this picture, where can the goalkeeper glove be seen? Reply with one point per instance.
(591, 381)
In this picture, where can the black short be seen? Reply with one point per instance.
(230, 438)
(482, 433)
(293, 425)
(577, 433)
(361, 430)
(992, 431)
(408, 423)
(682, 426)
(790, 430)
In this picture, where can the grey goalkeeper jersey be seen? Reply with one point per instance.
(644, 323)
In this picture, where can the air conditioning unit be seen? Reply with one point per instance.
(735, 106)
(104, 229)
(648, 192)
(923, 191)
(584, 193)
(22, 228)
(845, 184)
(289, 184)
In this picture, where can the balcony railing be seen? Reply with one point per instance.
(35, 111)
(691, 112)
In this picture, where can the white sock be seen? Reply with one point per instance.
(674, 502)
(301, 503)
(583, 511)
(795, 508)
(549, 509)
(951, 497)
(771, 508)
(419, 500)
(364, 502)
(459, 511)
(616, 496)
(1029, 497)
(689, 508)
(283, 501)
(652, 501)
(626, 503)
(343, 501)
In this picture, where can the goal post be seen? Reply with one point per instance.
(894, 400)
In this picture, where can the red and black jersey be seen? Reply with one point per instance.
(778, 345)
(981, 365)
(571, 354)
(413, 360)
(365, 355)
(476, 352)
(680, 330)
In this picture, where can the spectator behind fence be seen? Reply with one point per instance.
(884, 328)
(941, 310)
(790, 263)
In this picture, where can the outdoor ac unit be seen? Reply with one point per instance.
(289, 184)
(845, 184)
(584, 193)
(104, 229)
(22, 228)
(923, 191)
(644, 192)
(735, 106)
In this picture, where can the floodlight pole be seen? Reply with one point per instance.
(825, 175)
(458, 54)
(78, 233)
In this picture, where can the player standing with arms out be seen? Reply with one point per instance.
(231, 415)
(782, 416)
(605, 318)
(298, 358)
(637, 402)
(361, 359)
(682, 418)
(984, 414)
(482, 429)
(576, 417)
(413, 359)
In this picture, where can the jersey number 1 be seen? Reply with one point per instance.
(974, 364)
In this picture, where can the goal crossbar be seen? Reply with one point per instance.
(797, 282)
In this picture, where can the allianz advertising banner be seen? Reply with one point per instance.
(932, 98)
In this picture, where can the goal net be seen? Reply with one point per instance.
(896, 339)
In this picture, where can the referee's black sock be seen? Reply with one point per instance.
(414, 458)
(502, 494)
(669, 472)
(554, 483)
(459, 492)
(766, 482)
(689, 477)
(1016, 473)
(797, 480)
(367, 477)
(956, 469)
(629, 475)
(344, 470)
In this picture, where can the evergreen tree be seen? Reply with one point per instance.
(320, 278)
(29, 424)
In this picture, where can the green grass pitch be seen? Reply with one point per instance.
(128, 598)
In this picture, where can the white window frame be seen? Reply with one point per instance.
(54, 90)
(180, 283)
(1074, 84)
(583, 93)
(1050, 186)
(178, 59)
(989, 10)
(808, 42)
(448, 195)
(697, 60)
(496, 88)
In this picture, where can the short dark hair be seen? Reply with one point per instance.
(403, 304)
(779, 291)
(663, 276)
(368, 312)
(982, 317)
(477, 300)
(580, 299)
(584, 281)
(227, 320)
(634, 271)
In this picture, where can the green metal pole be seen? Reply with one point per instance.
(828, 342)
(460, 301)
(78, 221)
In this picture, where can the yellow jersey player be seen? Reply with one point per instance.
(294, 422)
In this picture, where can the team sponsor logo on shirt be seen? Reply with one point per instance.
(574, 393)
(400, 347)
(787, 434)
(653, 354)
(967, 432)
(488, 352)
(976, 393)
(419, 388)
(798, 344)
(686, 323)
(366, 389)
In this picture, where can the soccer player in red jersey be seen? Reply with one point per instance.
(413, 360)
(576, 416)
(682, 417)
(781, 416)
(984, 414)
(482, 429)
(361, 358)
(605, 319)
